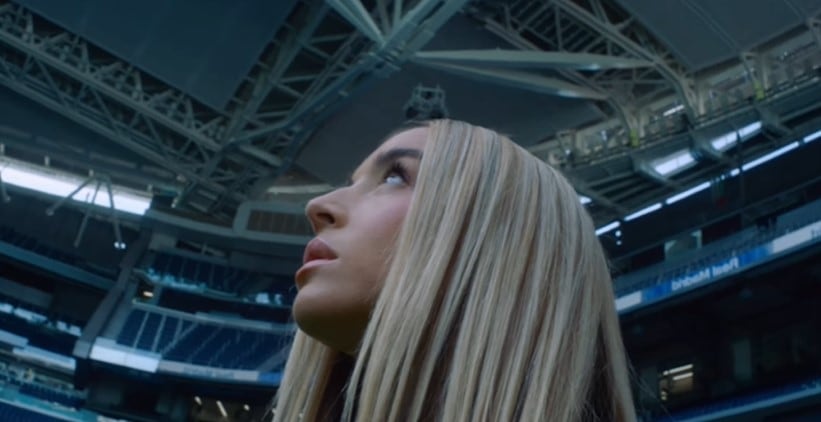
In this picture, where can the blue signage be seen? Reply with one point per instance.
(713, 272)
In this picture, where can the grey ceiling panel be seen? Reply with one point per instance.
(24, 115)
(204, 48)
(684, 32)
(749, 23)
(703, 33)
(805, 7)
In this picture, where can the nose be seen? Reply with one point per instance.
(323, 212)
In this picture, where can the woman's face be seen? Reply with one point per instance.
(356, 228)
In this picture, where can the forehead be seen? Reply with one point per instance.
(409, 139)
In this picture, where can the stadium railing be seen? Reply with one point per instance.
(201, 276)
(737, 406)
(32, 244)
(183, 339)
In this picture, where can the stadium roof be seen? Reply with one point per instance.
(225, 102)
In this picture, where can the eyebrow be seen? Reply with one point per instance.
(387, 157)
(391, 155)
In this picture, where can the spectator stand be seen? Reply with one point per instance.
(215, 278)
(204, 340)
(752, 241)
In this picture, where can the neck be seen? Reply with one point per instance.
(333, 399)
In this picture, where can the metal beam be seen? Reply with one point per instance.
(680, 82)
(529, 59)
(528, 81)
(111, 97)
(117, 81)
(598, 199)
(414, 29)
(305, 28)
(511, 35)
(119, 170)
(247, 115)
(356, 15)
(35, 80)
(354, 65)
(814, 25)
(108, 96)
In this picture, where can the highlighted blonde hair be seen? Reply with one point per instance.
(498, 304)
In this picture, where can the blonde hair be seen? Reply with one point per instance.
(498, 304)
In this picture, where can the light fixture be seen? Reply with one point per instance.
(769, 156)
(585, 200)
(749, 130)
(643, 211)
(729, 139)
(674, 162)
(53, 182)
(222, 409)
(607, 227)
(680, 377)
(119, 245)
(724, 142)
(4, 196)
(673, 110)
(689, 192)
(813, 136)
(766, 157)
(682, 368)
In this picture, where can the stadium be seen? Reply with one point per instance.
(156, 159)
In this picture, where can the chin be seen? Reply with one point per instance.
(323, 319)
(311, 311)
(303, 311)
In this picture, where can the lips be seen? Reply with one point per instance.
(317, 253)
(317, 249)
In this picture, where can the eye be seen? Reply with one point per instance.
(396, 175)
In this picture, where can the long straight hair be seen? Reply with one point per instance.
(498, 304)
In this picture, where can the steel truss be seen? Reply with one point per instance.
(315, 61)
(296, 90)
(579, 29)
(646, 104)
(325, 51)
(638, 97)
(65, 73)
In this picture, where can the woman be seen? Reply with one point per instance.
(456, 278)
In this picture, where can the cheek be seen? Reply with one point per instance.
(378, 229)
(386, 222)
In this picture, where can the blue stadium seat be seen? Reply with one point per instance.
(175, 265)
(9, 413)
(223, 347)
(168, 332)
(184, 347)
(131, 328)
(50, 395)
(218, 276)
(148, 333)
(195, 272)
(187, 270)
